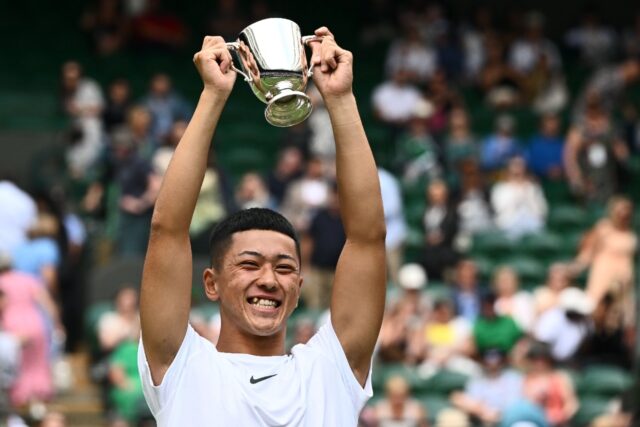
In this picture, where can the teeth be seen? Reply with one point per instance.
(263, 302)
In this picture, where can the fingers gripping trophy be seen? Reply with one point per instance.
(271, 58)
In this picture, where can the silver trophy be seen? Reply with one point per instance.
(273, 61)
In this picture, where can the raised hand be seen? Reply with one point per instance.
(332, 66)
(214, 63)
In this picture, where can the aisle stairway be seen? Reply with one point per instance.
(82, 404)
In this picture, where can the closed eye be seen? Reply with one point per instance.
(249, 264)
(285, 268)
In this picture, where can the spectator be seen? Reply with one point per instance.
(608, 251)
(511, 302)
(321, 141)
(547, 296)
(165, 106)
(544, 150)
(594, 42)
(460, 145)
(395, 100)
(466, 293)
(252, 193)
(443, 98)
(17, 216)
(441, 227)
(162, 156)
(565, 327)
(9, 365)
(306, 195)
(22, 317)
(403, 316)
(443, 342)
(526, 51)
(412, 56)
(40, 255)
(473, 40)
(395, 222)
(139, 128)
(323, 242)
(592, 155)
(474, 210)
(126, 386)
(500, 146)
(289, 168)
(501, 84)
(118, 104)
(106, 25)
(54, 419)
(549, 388)
(121, 324)
(138, 187)
(157, 29)
(492, 330)
(398, 407)
(488, 397)
(518, 201)
(83, 102)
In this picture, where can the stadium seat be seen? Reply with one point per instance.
(531, 271)
(383, 372)
(492, 244)
(568, 218)
(544, 246)
(433, 404)
(590, 408)
(443, 382)
(91, 319)
(605, 381)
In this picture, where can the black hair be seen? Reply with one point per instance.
(244, 220)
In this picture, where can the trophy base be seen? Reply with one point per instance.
(288, 108)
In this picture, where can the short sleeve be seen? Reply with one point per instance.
(158, 396)
(326, 342)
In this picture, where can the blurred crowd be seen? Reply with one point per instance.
(518, 348)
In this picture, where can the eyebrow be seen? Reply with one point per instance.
(260, 255)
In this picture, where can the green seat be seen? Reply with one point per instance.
(568, 218)
(545, 245)
(530, 270)
(485, 267)
(590, 408)
(91, 318)
(414, 212)
(382, 372)
(494, 244)
(433, 404)
(604, 380)
(443, 382)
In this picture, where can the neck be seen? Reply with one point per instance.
(236, 341)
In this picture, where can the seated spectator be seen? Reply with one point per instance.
(416, 154)
(443, 342)
(412, 56)
(565, 327)
(499, 147)
(321, 142)
(82, 101)
(10, 363)
(24, 301)
(306, 194)
(117, 106)
(40, 255)
(53, 419)
(512, 302)
(138, 186)
(165, 105)
(549, 388)
(121, 324)
(162, 157)
(403, 316)
(444, 98)
(547, 296)
(460, 145)
(398, 408)
(155, 28)
(501, 84)
(494, 331)
(17, 216)
(527, 50)
(304, 331)
(395, 100)
(322, 244)
(544, 150)
(608, 251)
(474, 210)
(518, 201)
(466, 292)
(125, 394)
(486, 398)
(395, 222)
(441, 227)
(607, 344)
(139, 128)
(106, 25)
(592, 154)
(594, 42)
(288, 168)
(252, 192)
(545, 87)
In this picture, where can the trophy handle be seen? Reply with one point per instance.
(235, 46)
(305, 41)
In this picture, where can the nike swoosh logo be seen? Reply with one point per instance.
(257, 380)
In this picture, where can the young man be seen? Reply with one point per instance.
(248, 380)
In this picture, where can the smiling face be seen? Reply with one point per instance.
(257, 283)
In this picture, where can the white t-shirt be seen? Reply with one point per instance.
(312, 386)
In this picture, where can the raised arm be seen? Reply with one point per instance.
(165, 300)
(357, 302)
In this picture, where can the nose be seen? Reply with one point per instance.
(268, 279)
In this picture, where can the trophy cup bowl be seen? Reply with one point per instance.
(272, 59)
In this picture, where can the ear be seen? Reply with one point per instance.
(209, 278)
